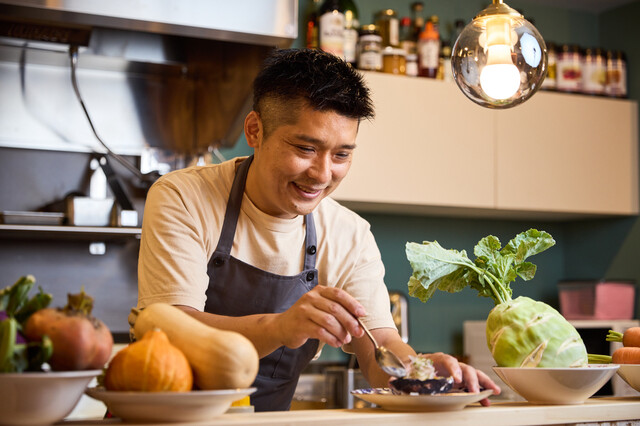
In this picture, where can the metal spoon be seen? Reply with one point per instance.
(387, 360)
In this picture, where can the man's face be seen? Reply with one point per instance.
(299, 164)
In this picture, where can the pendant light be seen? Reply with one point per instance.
(499, 60)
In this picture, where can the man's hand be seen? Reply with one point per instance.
(464, 376)
(324, 313)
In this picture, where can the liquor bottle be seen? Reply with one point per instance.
(350, 33)
(429, 49)
(312, 24)
(406, 36)
(417, 18)
(331, 28)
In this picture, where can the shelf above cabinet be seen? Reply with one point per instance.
(81, 233)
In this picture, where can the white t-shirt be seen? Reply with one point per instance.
(183, 217)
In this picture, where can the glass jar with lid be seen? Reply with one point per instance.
(549, 82)
(616, 85)
(569, 69)
(389, 27)
(394, 60)
(594, 72)
(369, 48)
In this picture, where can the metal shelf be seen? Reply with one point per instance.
(87, 233)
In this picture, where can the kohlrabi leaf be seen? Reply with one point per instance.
(526, 270)
(437, 268)
(528, 243)
(431, 264)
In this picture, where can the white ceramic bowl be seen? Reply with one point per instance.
(163, 407)
(630, 373)
(556, 385)
(41, 398)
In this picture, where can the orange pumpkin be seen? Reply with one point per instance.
(151, 364)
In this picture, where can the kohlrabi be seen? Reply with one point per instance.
(521, 332)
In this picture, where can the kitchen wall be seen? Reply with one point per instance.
(593, 249)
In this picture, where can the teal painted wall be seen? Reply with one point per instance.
(591, 249)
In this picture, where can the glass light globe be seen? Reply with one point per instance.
(500, 59)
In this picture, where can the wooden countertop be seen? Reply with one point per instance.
(593, 411)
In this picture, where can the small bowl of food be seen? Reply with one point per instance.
(630, 373)
(37, 398)
(572, 385)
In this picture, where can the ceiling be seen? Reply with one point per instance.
(593, 6)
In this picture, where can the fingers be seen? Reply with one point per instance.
(336, 312)
(473, 380)
(325, 313)
(446, 365)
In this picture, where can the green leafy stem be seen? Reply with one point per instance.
(495, 267)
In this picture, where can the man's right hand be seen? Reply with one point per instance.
(324, 313)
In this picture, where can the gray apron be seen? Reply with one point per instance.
(238, 289)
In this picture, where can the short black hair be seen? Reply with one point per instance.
(322, 80)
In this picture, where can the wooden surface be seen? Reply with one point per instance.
(596, 410)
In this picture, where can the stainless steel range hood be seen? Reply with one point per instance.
(265, 22)
(169, 75)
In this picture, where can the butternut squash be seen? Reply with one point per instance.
(219, 359)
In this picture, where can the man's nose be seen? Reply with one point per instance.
(321, 168)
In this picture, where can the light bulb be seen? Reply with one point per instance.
(500, 78)
(499, 60)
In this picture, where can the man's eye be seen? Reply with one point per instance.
(343, 155)
(305, 148)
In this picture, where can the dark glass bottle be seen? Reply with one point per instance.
(312, 24)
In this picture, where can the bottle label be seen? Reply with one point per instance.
(549, 81)
(594, 78)
(569, 72)
(412, 69)
(616, 79)
(394, 33)
(331, 34)
(370, 60)
(429, 54)
(350, 45)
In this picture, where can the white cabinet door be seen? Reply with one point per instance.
(427, 147)
(568, 154)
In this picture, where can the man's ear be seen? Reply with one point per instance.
(253, 130)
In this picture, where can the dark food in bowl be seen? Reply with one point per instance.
(422, 387)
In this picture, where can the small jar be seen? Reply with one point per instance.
(389, 27)
(412, 65)
(616, 81)
(549, 82)
(394, 60)
(569, 69)
(594, 72)
(369, 49)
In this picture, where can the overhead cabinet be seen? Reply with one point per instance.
(431, 150)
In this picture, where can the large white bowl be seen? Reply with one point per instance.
(41, 398)
(556, 385)
(163, 407)
(630, 373)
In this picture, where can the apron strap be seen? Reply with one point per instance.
(233, 208)
(310, 245)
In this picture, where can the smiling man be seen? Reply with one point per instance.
(255, 244)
